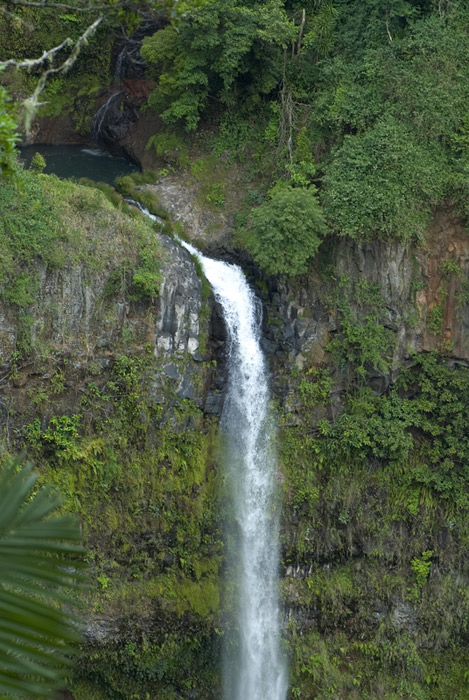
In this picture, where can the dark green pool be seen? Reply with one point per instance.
(80, 161)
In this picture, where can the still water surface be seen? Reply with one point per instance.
(80, 161)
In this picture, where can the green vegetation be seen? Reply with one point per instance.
(133, 186)
(171, 147)
(8, 136)
(38, 163)
(286, 231)
(57, 84)
(371, 188)
(363, 343)
(209, 48)
(142, 477)
(43, 222)
(40, 562)
(380, 494)
(367, 100)
(311, 121)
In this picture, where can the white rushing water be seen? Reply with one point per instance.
(100, 116)
(254, 667)
(254, 664)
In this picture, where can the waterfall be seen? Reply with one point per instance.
(129, 63)
(256, 669)
(100, 117)
(119, 71)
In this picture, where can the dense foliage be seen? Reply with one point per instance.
(371, 187)
(213, 48)
(379, 90)
(368, 100)
(286, 230)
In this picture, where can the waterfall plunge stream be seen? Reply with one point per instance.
(256, 670)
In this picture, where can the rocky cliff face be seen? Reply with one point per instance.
(76, 317)
(114, 397)
(417, 294)
(421, 299)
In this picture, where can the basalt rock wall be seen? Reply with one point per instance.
(417, 294)
(76, 318)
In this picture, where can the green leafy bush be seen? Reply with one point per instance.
(125, 185)
(38, 163)
(171, 147)
(286, 230)
(383, 183)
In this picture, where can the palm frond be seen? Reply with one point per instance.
(40, 571)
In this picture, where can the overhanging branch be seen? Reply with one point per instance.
(91, 7)
(30, 104)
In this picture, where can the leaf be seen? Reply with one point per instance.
(40, 563)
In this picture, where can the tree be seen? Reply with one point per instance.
(39, 574)
(217, 50)
(286, 230)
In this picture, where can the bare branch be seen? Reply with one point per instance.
(62, 6)
(31, 63)
(31, 104)
(300, 33)
(286, 121)
(387, 30)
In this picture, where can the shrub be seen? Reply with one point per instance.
(125, 185)
(286, 230)
(170, 147)
(38, 163)
(383, 183)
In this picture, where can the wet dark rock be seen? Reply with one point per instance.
(402, 617)
(171, 371)
(126, 61)
(179, 304)
(214, 403)
(186, 389)
(114, 118)
(101, 629)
